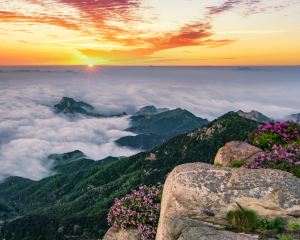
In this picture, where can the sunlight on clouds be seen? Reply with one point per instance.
(133, 31)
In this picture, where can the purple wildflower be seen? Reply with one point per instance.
(140, 210)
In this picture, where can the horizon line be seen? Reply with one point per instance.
(103, 65)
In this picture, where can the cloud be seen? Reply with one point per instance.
(113, 23)
(29, 130)
(249, 7)
(194, 34)
(118, 31)
(16, 17)
(225, 6)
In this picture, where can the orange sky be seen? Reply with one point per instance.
(150, 32)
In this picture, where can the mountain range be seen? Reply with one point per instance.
(74, 204)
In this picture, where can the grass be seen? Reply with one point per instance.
(285, 237)
(293, 226)
(237, 163)
(244, 220)
(218, 164)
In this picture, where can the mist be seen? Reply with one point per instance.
(30, 130)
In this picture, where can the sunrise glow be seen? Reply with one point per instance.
(136, 32)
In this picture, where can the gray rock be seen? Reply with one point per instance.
(236, 150)
(193, 189)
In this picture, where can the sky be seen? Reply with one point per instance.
(150, 32)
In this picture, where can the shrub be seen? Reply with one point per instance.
(243, 219)
(264, 223)
(276, 133)
(293, 226)
(140, 210)
(282, 158)
(237, 163)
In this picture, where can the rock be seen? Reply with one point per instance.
(115, 233)
(236, 150)
(193, 189)
(151, 157)
(210, 233)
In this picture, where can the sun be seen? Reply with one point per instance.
(91, 65)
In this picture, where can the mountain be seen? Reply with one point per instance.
(170, 122)
(255, 115)
(75, 161)
(293, 117)
(76, 204)
(145, 141)
(70, 162)
(150, 110)
(155, 129)
(71, 107)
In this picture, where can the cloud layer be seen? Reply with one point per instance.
(29, 130)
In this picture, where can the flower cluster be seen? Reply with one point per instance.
(276, 133)
(140, 210)
(281, 143)
(280, 158)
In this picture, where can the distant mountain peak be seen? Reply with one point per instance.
(71, 107)
(294, 117)
(68, 105)
(67, 157)
(254, 115)
(150, 110)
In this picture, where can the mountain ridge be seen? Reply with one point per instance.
(152, 130)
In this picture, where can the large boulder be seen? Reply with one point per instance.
(198, 193)
(210, 233)
(115, 233)
(236, 150)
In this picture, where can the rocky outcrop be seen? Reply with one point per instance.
(236, 150)
(114, 233)
(197, 195)
(255, 116)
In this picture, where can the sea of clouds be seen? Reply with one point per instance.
(30, 130)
